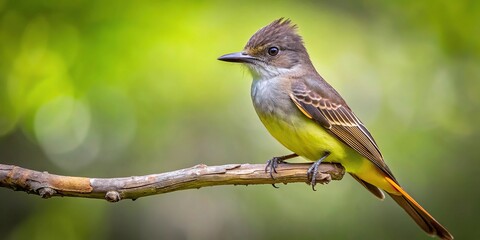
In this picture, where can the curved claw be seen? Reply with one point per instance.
(313, 170)
(312, 174)
(272, 165)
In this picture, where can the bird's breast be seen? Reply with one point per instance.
(271, 97)
(290, 126)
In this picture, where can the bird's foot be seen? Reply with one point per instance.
(313, 170)
(272, 164)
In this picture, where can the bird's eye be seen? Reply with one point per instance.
(273, 51)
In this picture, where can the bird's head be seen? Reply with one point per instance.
(272, 50)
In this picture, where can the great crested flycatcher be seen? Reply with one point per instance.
(309, 117)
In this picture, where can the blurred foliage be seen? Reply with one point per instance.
(120, 88)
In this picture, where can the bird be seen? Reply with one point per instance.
(310, 118)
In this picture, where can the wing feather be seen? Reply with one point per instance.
(337, 117)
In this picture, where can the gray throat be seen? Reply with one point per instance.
(271, 97)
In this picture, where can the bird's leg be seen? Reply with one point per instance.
(313, 170)
(272, 164)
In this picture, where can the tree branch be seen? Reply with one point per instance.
(48, 185)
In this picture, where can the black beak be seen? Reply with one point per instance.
(240, 57)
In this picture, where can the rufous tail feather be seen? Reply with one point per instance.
(418, 213)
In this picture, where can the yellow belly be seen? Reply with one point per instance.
(311, 141)
(308, 139)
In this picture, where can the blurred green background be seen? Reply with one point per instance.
(122, 88)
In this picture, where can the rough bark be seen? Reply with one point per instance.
(49, 185)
